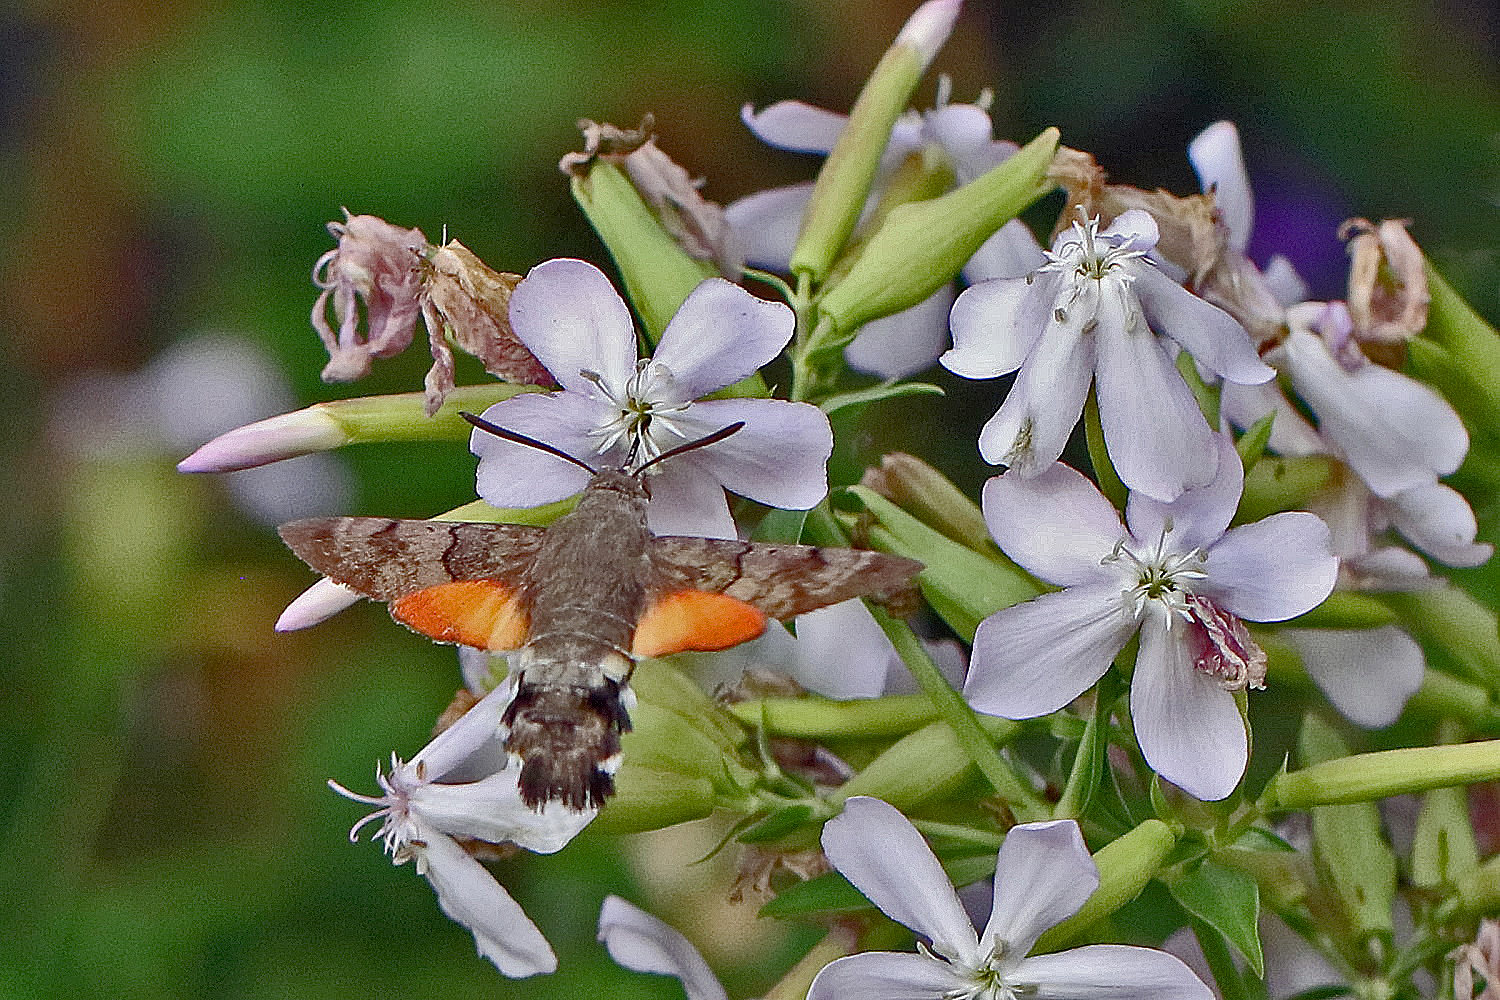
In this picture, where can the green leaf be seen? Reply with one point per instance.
(1252, 444)
(1091, 758)
(876, 393)
(1227, 900)
(832, 893)
(777, 825)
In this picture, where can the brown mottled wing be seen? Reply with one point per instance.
(385, 558)
(781, 580)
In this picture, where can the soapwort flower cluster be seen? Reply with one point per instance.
(1214, 498)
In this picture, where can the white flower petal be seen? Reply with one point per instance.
(795, 125)
(1394, 431)
(908, 342)
(1274, 569)
(572, 319)
(841, 652)
(317, 603)
(884, 975)
(1216, 159)
(1440, 522)
(1156, 435)
(686, 501)
(719, 335)
(470, 896)
(767, 223)
(1285, 284)
(1033, 658)
(1111, 972)
(1188, 726)
(1043, 875)
(491, 810)
(1012, 252)
(1201, 515)
(514, 475)
(966, 134)
(882, 854)
(1291, 434)
(1056, 524)
(1212, 336)
(779, 458)
(1368, 674)
(996, 324)
(465, 737)
(1133, 229)
(1044, 403)
(639, 941)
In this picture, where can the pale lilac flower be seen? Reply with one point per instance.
(316, 605)
(1367, 674)
(1043, 875)
(1174, 574)
(1099, 312)
(618, 411)
(767, 222)
(643, 943)
(459, 787)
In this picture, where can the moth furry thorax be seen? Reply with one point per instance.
(581, 600)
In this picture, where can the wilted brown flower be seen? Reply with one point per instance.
(375, 263)
(1387, 281)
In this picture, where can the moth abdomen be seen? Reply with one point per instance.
(568, 739)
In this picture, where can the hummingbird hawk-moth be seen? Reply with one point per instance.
(581, 599)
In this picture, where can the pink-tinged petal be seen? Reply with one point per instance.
(886, 975)
(1156, 435)
(1368, 674)
(929, 27)
(316, 604)
(1056, 524)
(1201, 515)
(1188, 726)
(573, 320)
(795, 125)
(1033, 658)
(1212, 336)
(514, 475)
(283, 436)
(1440, 522)
(1111, 972)
(882, 854)
(1394, 431)
(639, 941)
(685, 500)
(1216, 158)
(1291, 434)
(1390, 567)
(1011, 253)
(470, 896)
(1044, 403)
(842, 653)
(1043, 875)
(906, 343)
(766, 224)
(996, 325)
(720, 334)
(1274, 569)
(780, 458)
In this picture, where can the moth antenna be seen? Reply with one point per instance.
(703, 442)
(531, 442)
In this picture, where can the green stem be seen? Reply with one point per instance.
(1023, 800)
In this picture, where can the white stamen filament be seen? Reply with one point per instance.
(642, 408)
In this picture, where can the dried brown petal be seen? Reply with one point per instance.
(467, 302)
(603, 141)
(1388, 294)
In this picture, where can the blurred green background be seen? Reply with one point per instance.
(169, 170)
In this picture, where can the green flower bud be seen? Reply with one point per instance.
(931, 497)
(922, 245)
(1368, 776)
(647, 799)
(1125, 866)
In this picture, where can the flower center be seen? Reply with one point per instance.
(642, 421)
(394, 811)
(1155, 573)
(1085, 255)
(990, 979)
